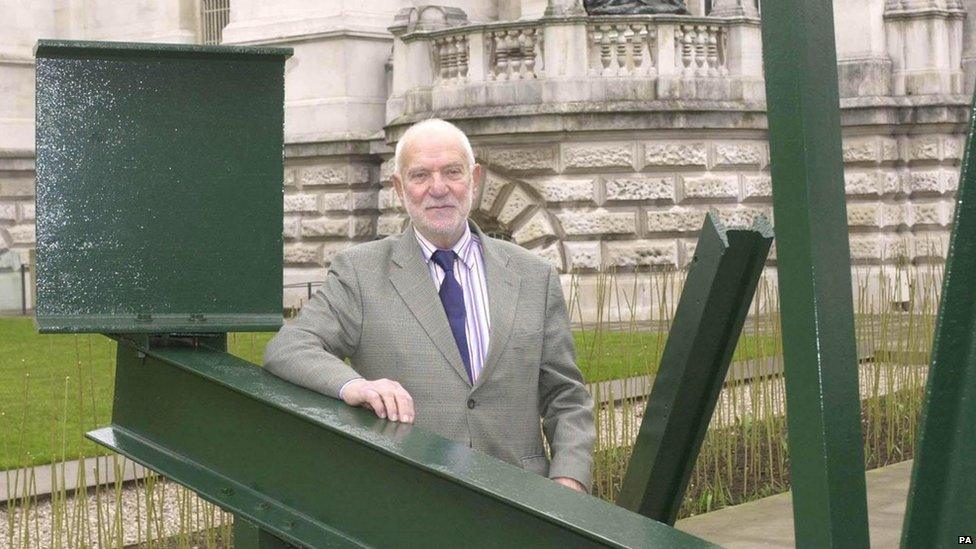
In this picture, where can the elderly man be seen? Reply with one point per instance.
(464, 335)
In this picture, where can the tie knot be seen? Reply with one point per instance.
(444, 258)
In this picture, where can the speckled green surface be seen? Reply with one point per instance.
(159, 188)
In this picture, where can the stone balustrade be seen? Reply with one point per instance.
(571, 60)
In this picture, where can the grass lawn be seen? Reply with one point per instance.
(604, 355)
(54, 388)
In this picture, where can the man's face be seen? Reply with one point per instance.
(437, 186)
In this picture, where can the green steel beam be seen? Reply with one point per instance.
(707, 323)
(813, 255)
(315, 472)
(159, 195)
(942, 498)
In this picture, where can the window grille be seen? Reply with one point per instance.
(214, 16)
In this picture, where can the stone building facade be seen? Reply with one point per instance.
(605, 139)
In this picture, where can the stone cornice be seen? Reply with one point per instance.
(683, 115)
(926, 14)
(323, 35)
(340, 146)
(16, 160)
(271, 31)
(561, 118)
(16, 59)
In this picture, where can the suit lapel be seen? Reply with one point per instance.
(503, 297)
(412, 281)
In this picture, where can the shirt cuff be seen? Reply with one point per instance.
(343, 388)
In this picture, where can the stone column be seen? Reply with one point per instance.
(924, 41)
(863, 65)
(335, 83)
(734, 8)
(20, 27)
(969, 47)
(175, 22)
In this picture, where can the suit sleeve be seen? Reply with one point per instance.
(565, 405)
(309, 350)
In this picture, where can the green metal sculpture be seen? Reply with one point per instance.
(159, 210)
(159, 224)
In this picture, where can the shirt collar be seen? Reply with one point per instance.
(462, 247)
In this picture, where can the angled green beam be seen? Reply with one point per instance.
(314, 472)
(813, 258)
(942, 497)
(707, 323)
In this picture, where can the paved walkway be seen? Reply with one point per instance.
(769, 522)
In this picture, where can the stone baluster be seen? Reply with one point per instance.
(600, 37)
(499, 61)
(453, 52)
(622, 40)
(441, 61)
(639, 51)
(701, 50)
(715, 61)
(462, 57)
(515, 60)
(685, 46)
(527, 42)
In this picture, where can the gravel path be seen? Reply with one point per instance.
(130, 515)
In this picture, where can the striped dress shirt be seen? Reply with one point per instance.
(469, 271)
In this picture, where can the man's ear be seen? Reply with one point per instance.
(477, 173)
(398, 187)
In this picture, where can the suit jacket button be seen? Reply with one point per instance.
(471, 403)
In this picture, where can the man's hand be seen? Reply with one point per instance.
(570, 483)
(385, 397)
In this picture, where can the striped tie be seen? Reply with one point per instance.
(453, 299)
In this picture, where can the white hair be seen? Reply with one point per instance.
(431, 124)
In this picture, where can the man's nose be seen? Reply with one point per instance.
(438, 185)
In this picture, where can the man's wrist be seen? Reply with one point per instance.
(571, 483)
(346, 384)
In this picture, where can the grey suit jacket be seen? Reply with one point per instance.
(380, 309)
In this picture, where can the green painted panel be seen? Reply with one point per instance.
(159, 187)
